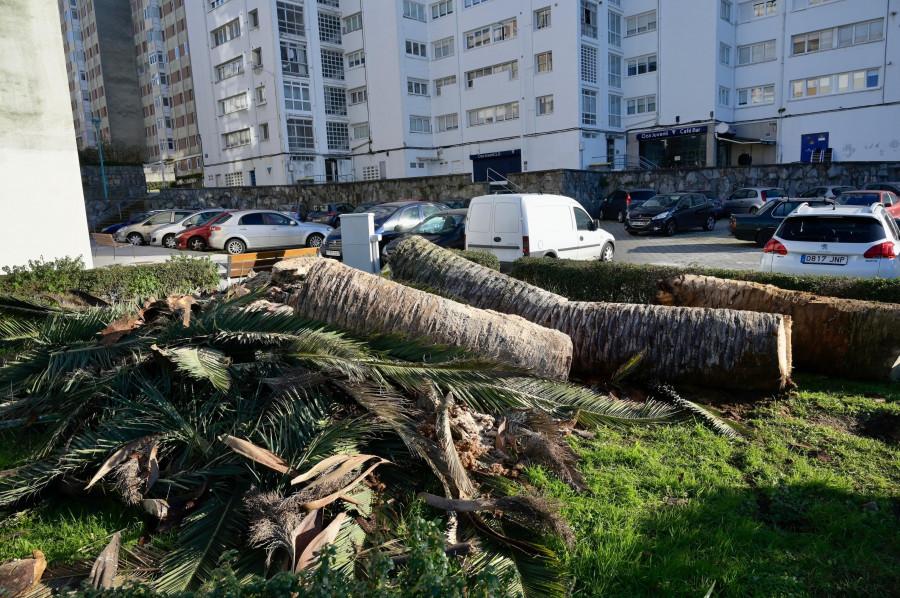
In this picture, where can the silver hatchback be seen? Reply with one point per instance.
(748, 200)
(138, 233)
(256, 229)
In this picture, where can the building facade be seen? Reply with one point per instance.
(778, 80)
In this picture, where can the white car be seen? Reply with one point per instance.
(257, 229)
(165, 235)
(861, 241)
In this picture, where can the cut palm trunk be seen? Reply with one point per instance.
(842, 337)
(342, 296)
(701, 347)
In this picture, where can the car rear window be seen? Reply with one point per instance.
(322, 207)
(831, 229)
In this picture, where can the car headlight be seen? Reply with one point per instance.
(660, 216)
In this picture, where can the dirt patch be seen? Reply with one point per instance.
(881, 426)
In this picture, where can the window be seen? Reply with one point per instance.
(329, 28)
(356, 59)
(447, 122)
(839, 83)
(544, 105)
(290, 18)
(419, 124)
(641, 65)
(370, 173)
(294, 60)
(511, 67)
(441, 9)
(361, 131)
(756, 9)
(264, 131)
(335, 101)
(860, 33)
(233, 104)
(640, 23)
(358, 95)
(223, 34)
(353, 23)
(724, 97)
(261, 95)
(497, 32)
(234, 179)
(254, 19)
(256, 58)
(754, 53)
(296, 96)
(640, 105)
(589, 64)
(413, 10)
(492, 114)
(474, 2)
(615, 111)
(615, 70)
(334, 3)
(300, 134)
(838, 37)
(588, 107)
(725, 10)
(236, 138)
(442, 48)
(542, 18)
(589, 19)
(543, 62)
(332, 65)
(416, 87)
(724, 54)
(756, 95)
(416, 49)
(615, 30)
(439, 84)
(230, 68)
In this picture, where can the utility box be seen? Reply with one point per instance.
(360, 243)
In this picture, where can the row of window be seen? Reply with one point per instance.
(300, 134)
(757, 9)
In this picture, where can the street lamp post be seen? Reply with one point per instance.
(96, 121)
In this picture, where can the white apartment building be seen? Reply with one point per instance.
(783, 80)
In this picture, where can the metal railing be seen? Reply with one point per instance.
(628, 162)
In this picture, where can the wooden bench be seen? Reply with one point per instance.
(240, 265)
(107, 240)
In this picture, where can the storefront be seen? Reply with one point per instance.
(684, 147)
(495, 165)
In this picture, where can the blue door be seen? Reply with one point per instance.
(810, 143)
(495, 166)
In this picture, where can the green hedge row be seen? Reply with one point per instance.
(488, 260)
(181, 274)
(629, 283)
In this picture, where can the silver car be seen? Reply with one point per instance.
(256, 229)
(139, 232)
(748, 200)
(165, 234)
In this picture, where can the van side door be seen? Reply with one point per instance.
(506, 232)
(589, 241)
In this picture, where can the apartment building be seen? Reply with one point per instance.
(102, 80)
(782, 80)
(165, 80)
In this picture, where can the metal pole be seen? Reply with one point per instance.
(96, 120)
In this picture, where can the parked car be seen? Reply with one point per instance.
(718, 204)
(866, 198)
(456, 204)
(445, 229)
(294, 210)
(893, 187)
(749, 199)
(391, 219)
(165, 234)
(536, 225)
(671, 212)
(138, 233)
(760, 227)
(112, 228)
(257, 229)
(196, 238)
(618, 202)
(837, 240)
(824, 192)
(328, 213)
(364, 206)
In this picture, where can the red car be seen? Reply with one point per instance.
(196, 238)
(866, 198)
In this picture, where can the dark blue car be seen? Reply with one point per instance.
(446, 229)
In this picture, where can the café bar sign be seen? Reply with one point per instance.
(672, 133)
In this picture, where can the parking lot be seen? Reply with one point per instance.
(713, 249)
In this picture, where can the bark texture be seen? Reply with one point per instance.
(20, 576)
(424, 263)
(364, 303)
(843, 337)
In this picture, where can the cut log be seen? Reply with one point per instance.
(363, 303)
(20, 576)
(838, 337)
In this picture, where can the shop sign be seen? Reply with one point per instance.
(672, 133)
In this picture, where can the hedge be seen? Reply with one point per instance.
(630, 283)
(40, 279)
(486, 259)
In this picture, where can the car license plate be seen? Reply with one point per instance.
(333, 253)
(825, 260)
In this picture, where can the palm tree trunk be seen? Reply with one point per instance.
(843, 337)
(363, 303)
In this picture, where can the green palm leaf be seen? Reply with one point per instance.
(201, 363)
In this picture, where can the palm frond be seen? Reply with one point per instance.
(16, 306)
(628, 368)
(705, 414)
(201, 363)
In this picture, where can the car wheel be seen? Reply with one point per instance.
(314, 240)
(710, 223)
(169, 241)
(136, 239)
(606, 254)
(235, 246)
(762, 238)
(753, 210)
(196, 244)
(620, 216)
(670, 228)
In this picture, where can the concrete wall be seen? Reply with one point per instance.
(121, 182)
(42, 201)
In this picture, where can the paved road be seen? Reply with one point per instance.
(696, 247)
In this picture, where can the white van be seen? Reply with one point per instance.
(536, 225)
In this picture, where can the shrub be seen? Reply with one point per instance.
(630, 283)
(486, 259)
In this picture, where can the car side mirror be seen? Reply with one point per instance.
(293, 223)
(594, 225)
(398, 228)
